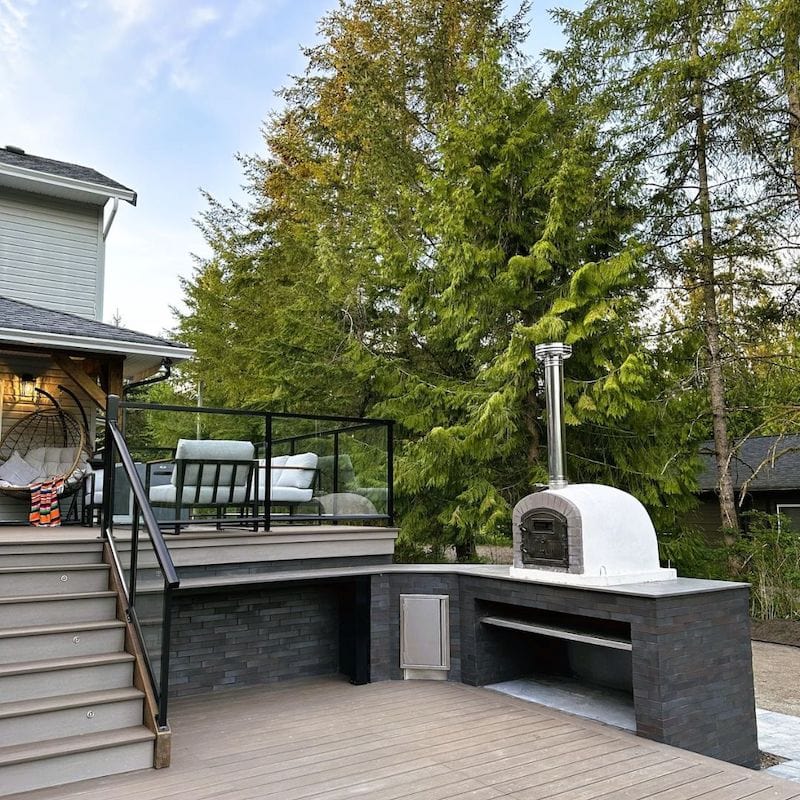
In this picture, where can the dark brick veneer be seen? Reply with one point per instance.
(253, 637)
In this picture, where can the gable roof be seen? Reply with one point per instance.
(21, 170)
(25, 324)
(775, 460)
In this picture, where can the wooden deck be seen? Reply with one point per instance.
(414, 740)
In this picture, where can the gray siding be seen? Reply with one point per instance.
(51, 253)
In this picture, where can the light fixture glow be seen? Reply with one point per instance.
(27, 386)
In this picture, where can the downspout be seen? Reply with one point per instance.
(166, 365)
(110, 220)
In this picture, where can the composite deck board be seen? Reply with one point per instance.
(323, 739)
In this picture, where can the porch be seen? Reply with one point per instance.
(413, 740)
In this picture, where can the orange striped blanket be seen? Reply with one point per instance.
(45, 511)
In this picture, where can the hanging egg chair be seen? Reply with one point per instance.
(46, 444)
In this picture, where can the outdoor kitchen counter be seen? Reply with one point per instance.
(672, 588)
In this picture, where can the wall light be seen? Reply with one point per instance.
(27, 386)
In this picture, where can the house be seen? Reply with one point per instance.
(766, 477)
(98, 628)
(55, 218)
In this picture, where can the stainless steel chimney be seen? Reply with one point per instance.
(553, 355)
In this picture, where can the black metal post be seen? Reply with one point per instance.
(112, 409)
(390, 472)
(335, 471)
(268, 471)
(336, 462)
(166, 634)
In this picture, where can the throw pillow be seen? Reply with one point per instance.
(17, 471)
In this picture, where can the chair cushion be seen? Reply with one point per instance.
(166, 495)
(18, 472)
(298, 471)
(52, 461)
(211, 450)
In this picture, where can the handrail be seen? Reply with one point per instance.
(248, 412)
(153, 529)
(141, 506)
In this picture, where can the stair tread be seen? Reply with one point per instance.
(19, 754)
(70, 662)
(20, 708)
(41, 598)
(38, 543)
(64, 627)
(35, 568)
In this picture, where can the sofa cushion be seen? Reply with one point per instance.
(290, 494)
(298, 471)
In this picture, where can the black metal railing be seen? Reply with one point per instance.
(146, 570)
(352, 456)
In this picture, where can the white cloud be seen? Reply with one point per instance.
(247, 13)
(130, 13)
(202, 16)
(13, 32)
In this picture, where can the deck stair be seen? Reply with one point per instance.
(68, 707)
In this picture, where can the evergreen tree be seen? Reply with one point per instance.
(425, 214)
(686, 111)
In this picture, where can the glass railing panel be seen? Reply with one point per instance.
(148, 604)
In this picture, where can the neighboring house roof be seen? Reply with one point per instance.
(775, 461)
(21, 170)
(25, 324)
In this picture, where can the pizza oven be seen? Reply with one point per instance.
(581, 533)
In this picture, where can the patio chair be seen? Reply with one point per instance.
(209, 473)
(44, 445)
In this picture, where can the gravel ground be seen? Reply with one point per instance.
(776, 669)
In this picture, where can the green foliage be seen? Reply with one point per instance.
(689, 552)
(769, 558)
(425, 212)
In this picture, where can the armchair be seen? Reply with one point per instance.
(208, 473)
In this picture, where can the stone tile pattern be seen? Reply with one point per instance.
(691, 660)
(567, 509)
(221, 641)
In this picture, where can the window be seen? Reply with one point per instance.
(792, 512)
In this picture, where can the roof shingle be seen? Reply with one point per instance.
(62, 169)
(16, 315)
(775, 461)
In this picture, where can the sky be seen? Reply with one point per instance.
(159, 95)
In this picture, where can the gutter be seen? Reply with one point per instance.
(45, 178)
(166, 365)
(93, 344)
